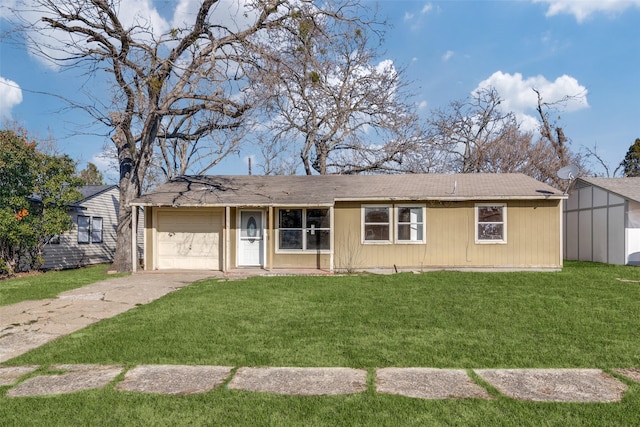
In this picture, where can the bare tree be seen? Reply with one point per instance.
(475, 135)
(554, 141)
(334, 104)
(464, 131)
(183, 150)
(182, 83)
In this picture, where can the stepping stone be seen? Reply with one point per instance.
(301, 381)
(555, 385)
(631, 373)
(11, 374)
(428, 383)
(15, 343)
(173, 379)
(76, 378)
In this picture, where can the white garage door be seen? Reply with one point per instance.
(189, 239)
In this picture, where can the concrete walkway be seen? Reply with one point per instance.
(540, 385)
(30, 324)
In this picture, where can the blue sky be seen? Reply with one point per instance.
(449, 49)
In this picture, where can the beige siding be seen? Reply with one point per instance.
(533, 239)
(148, 239)
(301, 261)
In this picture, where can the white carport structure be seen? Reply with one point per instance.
(602, 221)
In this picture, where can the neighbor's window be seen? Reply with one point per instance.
(304, 229)
(96, 230)
(491, 223)
(376, 223)
(83, 229)
(410, 224)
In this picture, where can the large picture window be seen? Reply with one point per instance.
(491, 223)
(83, 229)
(410, 224)
(304, 229)
(376, 224)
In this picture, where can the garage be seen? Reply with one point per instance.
(188, 239)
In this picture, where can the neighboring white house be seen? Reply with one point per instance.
(92, 239)
(602, 221)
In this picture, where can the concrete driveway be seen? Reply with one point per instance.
(30, 324)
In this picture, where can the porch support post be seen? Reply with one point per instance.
(134, 239)
(332, 239)
(227, 239)
(562, 231)
(270, 238)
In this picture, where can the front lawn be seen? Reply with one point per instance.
(48, 285)
(582, 317)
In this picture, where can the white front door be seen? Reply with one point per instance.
(250, 240)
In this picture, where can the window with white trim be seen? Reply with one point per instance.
(83, 229)
(491, 223)
(304, 229)
(96, 229)
(376, 224)
(410, 224)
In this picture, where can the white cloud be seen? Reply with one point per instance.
(107, 163)
(10, 96)
(518, 95)
(583, 9)
(422, 105)
(426, 8)
(233, 14)
(141, 16)
(143, 13)
(408, 16)
(447, 55)
(137, 15)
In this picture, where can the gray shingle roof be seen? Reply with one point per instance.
(300, 190)
(92, 190)
(628, 188)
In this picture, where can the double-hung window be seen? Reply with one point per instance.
(96, 230)
(83, 229)
(376, 224)
(304, 229)
(89, 229)
(491, 223)
(410, 224)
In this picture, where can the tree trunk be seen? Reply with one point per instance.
(122, 260)
(130, 188)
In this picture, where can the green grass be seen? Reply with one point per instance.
(224, 407)
(49, 284)
(582, 317)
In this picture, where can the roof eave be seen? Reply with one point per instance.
(231, 205)
(451, 198)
